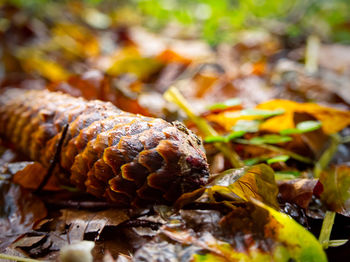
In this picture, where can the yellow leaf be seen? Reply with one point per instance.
(129, 60)
(333, 120)
(76, 39)
(228, 119)
(45, 67)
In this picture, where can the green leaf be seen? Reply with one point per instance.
(336, 189)
(234, 135)
(308, 126)
(289, 131)
(250, 126)
(225, 104)
(302, 127)
(286, 175)
(261, 112)
(270, 139)
(224, 139)
(255, 160)
(337, 243)
(276, 159)
(215, 139)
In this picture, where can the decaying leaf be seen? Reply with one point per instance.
(20, 210)
(336, 189)
(298, 191)
(82, 223)
(257, 182)
(251, 233)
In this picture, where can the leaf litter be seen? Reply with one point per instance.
(239, 214)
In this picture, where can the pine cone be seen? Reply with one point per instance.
(125, 158)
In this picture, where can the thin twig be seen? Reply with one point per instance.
(312, 53)
(321, 164)
(81, 204)
(173, 95)
(56, 159)
(327, 155)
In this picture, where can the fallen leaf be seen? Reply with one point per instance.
(170, 56)
(75, 39)
(31, 175)
(230, 118)
(19, 211)
(91, 85)
(83, 222)
(336, 189)
(298, 191)
(130, 61)
(254, 232)
(333, 120)
(256, 182)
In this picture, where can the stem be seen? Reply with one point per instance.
(321, 164)
(327, 156)
(326, 229)
(277, 149)
(20, 259)
(345, 139)
(173, 95)
(311, 54)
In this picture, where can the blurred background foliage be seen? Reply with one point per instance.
(219, 20)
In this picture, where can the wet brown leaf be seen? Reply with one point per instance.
(298, 191)
(83, 222)
(20, 210)
(252, 232)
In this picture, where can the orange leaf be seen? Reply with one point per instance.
(31, 176)
(170, 56)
